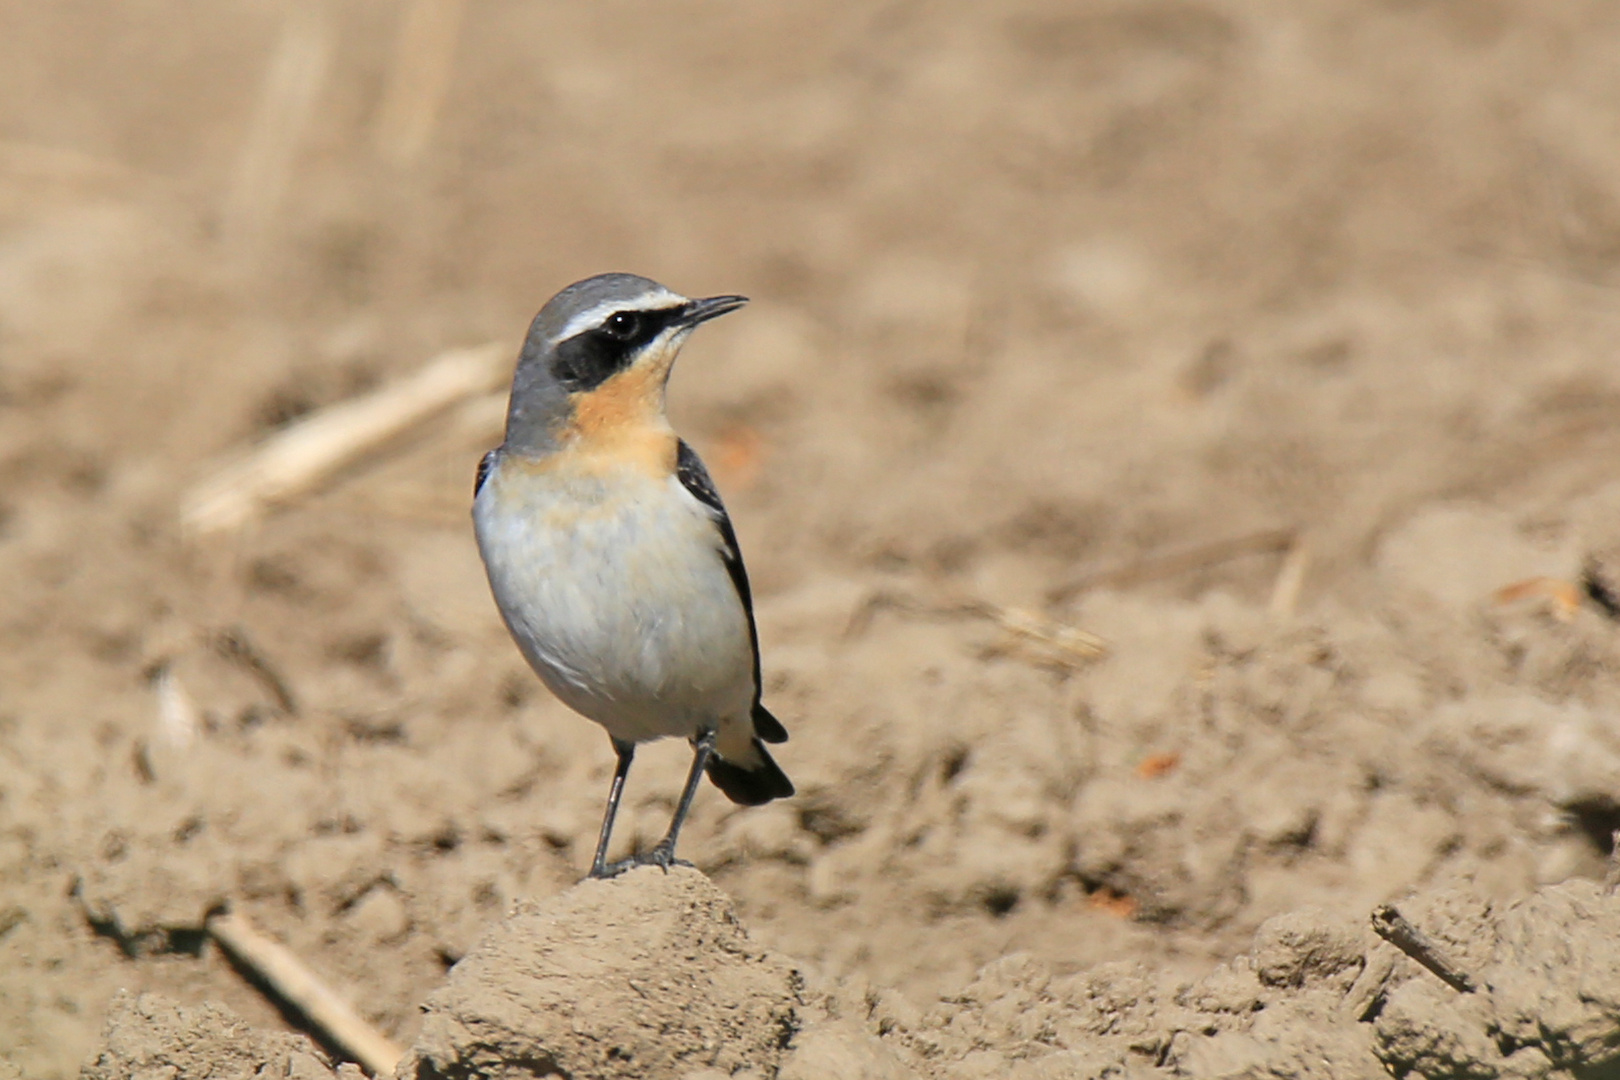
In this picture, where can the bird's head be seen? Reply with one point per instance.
(599, 353)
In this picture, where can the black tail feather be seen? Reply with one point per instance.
(750, 786)
(767, 726)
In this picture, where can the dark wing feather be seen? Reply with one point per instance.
(485, 463)
(695, 478)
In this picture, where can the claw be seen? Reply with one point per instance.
(662, 856)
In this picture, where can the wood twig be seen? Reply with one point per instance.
(885, 600)
(1393, 927)
(1367, 994)
(68, 173)
(1051, 643)
(307, 452)
(235, 645)
(419, 79)
(179, 720)
(302, 989)
(1068, 646)
(292, 83)
(1168, 563)
(1290, 580)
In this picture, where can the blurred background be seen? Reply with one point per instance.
(1269, 342)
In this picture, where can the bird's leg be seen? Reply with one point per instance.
(627, 754)
(664, 854)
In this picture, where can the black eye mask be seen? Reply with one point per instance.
(588, 359)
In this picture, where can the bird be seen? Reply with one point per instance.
(611, 556)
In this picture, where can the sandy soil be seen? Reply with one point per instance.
(1041, 290)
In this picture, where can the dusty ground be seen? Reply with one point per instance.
(1040, 289)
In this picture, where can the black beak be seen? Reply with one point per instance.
(710, 307)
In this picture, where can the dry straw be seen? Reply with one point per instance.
(308, 452)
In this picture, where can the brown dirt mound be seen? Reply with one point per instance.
(647, 975)
(150, 1036)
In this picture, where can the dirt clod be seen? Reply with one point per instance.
(1304, 947)
(148, 1035)
(645, 975)
(1555, 977)
(842, 1050)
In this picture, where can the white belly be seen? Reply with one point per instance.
(622, 604)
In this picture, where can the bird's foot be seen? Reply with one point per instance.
(662, 856)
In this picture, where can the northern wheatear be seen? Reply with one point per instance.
(610, 554)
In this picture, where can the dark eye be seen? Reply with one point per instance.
(622, 325)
